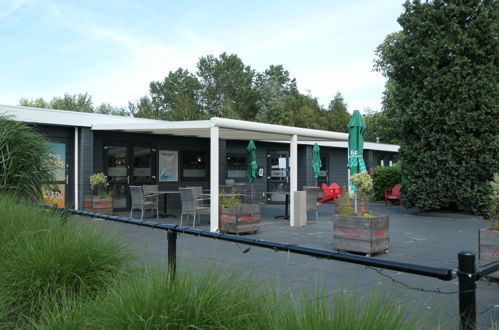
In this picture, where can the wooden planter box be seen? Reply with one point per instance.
(97, 204)
(364, 235)
(488, 242)
(240, 219)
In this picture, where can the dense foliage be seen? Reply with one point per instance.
(46, 260)
(24, 160)
(385, 178)
(444, 66)
(77, 102)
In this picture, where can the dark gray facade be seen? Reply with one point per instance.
(92, 158)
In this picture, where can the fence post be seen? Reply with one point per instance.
(172, 252)
(467, 289)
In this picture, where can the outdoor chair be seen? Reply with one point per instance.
(332, 191)
(192, 205)
(311, 199)
(142, 202)
(393, 195)
(150, 189)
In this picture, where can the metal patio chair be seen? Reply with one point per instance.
(142, 202)
(192, 204)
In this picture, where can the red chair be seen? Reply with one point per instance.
(330, 192)
(393, 196)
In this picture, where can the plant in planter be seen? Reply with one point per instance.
(237, 217)
(103, 201)
(355, 229)
(488, 238)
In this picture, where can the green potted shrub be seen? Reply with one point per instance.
(355, 229)
(488, 238)
(237, 217)
(103, 201)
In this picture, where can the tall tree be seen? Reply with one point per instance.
(177, 96)
(444, 67)
(77, 102)
(273, 86)
(227, 87)
(337, 116)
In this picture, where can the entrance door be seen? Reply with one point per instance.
(117, 169)
(127, 165)
(57, 192)
(324, 172)
(278, 179)
(143, 168)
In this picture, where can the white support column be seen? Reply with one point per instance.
(214, 164)
(293, 173)
(77, 167)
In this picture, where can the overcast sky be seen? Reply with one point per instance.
(114, 49)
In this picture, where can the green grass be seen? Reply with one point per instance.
(45, 259)
(151, 300)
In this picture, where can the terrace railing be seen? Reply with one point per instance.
(466, 273)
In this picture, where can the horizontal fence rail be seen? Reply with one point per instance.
(466, 272)
(440, 273)
(487, 270)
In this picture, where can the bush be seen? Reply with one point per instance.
(24, 160)
(45, 260)
(385, 178)
(443, 69)
(494, 199)
(153, 300)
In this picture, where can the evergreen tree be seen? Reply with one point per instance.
(444, 67)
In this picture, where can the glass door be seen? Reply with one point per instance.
(56, 192)
(118, 173)
(278, 179)
(143, 166)
(324, 172)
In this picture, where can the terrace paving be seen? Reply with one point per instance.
(429, 239)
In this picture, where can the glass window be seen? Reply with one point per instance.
(142, 161)
(194, 165)
(236, 166)
(323, 173)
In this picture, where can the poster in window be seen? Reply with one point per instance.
(58, 160)
(168, 165)
(54, 195)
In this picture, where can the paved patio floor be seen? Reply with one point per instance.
(430, 239)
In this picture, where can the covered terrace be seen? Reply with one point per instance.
(230, 129)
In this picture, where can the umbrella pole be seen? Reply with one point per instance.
(355, 203)
(252, 193)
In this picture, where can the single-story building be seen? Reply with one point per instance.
(136, 151)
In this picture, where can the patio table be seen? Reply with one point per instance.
(165, 193)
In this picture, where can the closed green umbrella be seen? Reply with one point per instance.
(316, 160)
(252, 167)
(357, 128)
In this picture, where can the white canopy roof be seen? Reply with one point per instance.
(230, 129)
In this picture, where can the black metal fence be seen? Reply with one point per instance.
(466, 273)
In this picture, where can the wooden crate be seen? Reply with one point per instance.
(488, 242)
(97, 204)
(240, 219)
(358, 234)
